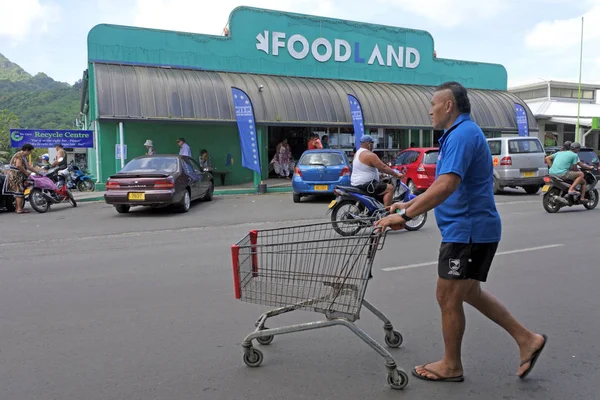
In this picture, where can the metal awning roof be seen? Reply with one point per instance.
(130, 92)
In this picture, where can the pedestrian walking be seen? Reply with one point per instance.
(149, 148)
(466, 214)
(17, 175)
(184, 148)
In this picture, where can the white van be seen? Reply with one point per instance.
(518, 162)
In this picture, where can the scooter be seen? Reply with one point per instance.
(43, 192)
(556, 193)
(80, 180)
(355, 205)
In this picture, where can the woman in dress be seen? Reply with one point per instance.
(14, 184)
(283, 154)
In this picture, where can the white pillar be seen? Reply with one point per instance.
(97, 145)
(121, 140)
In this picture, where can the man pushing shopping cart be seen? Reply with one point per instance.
(310, 268)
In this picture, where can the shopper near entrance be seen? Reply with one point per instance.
(325, 142)
(14, 184)
(184, 148)
(205, 161)
(314, 142)
(466, 214)
(561, 164)
(149, 148)
(365, 171)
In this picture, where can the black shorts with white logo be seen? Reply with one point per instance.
(466, 260)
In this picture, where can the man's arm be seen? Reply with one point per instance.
(585, 166)
(549, 159)
(374, 161)
(437, 193)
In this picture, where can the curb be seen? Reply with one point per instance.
(223, 192)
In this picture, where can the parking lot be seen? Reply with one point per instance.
(98, 305)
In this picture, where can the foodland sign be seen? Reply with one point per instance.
(272, 42)
(340, 50)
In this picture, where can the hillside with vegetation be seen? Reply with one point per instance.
(35, 102)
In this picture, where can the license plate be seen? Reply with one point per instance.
(332, 204)
(321, 187)
(545, 188)
(528, 174)
(27, 191)
(137, 196)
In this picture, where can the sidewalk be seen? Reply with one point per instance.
(273, 186)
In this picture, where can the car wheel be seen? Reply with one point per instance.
(122, 209)
(185, 203)
(531, 189)
(497, 188)
(11, 205)
(210, 192)
(297, 197)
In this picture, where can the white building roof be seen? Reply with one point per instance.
(564, 111)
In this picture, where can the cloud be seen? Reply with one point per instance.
(450, 13)
(199, 17)
(561, 34)
(19, 19)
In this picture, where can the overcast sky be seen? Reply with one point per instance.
(534, 39)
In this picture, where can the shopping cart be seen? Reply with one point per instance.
(311, 268)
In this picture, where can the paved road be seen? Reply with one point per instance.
(96, 305)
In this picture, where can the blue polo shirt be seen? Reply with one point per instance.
(469, 214)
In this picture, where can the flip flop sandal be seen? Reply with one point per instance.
(533, 359)
(22, 212)
(440, 378)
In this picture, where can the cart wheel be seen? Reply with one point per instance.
(265, 340)
(396, 341)
(253, 358)
(399, 384)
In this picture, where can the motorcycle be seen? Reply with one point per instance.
(556, 193)
(353, 204)
(78, 179)
(48, 189)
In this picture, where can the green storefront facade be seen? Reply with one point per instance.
(296, 69)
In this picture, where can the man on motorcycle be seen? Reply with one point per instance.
(61, 157)
(365, 171)
(560, 166)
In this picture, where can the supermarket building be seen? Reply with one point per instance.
(297, 71)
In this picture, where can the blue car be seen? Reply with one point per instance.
(319, 171)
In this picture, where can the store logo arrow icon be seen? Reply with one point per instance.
(263, 41)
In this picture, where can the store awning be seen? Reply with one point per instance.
(585, 122)
(131, 92)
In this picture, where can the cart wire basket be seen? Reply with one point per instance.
(311, 268)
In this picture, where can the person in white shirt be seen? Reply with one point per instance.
(184, 149)
(365, 171)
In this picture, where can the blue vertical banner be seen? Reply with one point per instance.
(357, 119)
(522, 123)
(244, 115)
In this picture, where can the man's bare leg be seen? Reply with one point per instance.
(489, 306)
(450, 295)
(576, 182)
(388, 196)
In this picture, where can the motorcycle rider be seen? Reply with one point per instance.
(560, 166)
(365, 171)
(61, 157)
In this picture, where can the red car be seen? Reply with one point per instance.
(420, 166)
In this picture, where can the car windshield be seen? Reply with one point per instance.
(151, 164)
(588, 157)
(431, 158)
(326, 159)
(524, 146)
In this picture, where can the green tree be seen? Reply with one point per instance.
(8, 120)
